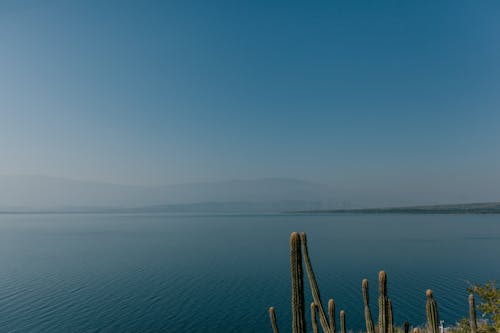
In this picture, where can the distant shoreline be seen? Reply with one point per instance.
(473, 208)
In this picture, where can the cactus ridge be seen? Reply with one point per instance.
(370, 328)
(314, 286)
(432, 313)
(298, 319)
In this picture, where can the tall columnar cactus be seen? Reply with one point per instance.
(298, 320)
(432, 313)
(390, 318)
(370, 328)
(342, 322)
(298, 248)
(382, 303)
(272, 317)
(472, 314)
(314, 286)
(406, 326)
(331, 315)
(314, 322)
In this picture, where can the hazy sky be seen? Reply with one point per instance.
(350, 93)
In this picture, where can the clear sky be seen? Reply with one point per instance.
(384, 94)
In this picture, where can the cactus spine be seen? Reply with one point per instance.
(390, 318)
(368, 315)
(272, 317)
(472, 314)
(406, 326)
(298, 320)
(314, 286)
(432, 313)
(382, 303)
(331, 315)
(314, 322)
(342, 322)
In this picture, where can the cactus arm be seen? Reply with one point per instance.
(314, 322)
(298, 320)
(368, 315)
(390, 318)
(331, 315)
(272, 317)
(342, 322)
(472, 314)
(314, 286)
(382, 302)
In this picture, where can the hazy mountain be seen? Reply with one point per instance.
(39, 192)
(21, 193)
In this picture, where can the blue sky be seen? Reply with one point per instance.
(381, 94)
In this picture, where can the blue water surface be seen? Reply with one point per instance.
(220, 273)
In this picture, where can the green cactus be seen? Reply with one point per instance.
(370, 328)
(472, 314)
(298, 320)
(432, 313)
(331, 315)
(406, 326)
(382, 303)
(342, 322)
(298, 249)
(314, 322)
(390, 318)
(272, 317)
(314, 286)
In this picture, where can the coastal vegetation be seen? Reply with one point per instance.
(489, 306)
(488, 294)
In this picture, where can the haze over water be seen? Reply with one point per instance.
(389, 100)
(220, 273)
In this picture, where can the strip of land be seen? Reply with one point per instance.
(471, 208)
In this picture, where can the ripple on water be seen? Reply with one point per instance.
(88, 278)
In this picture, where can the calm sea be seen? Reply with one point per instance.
(220, 273)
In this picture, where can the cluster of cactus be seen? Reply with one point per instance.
(299, 252)
(385, 317)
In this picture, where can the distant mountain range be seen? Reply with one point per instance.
(39, 193)
(49, 194)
